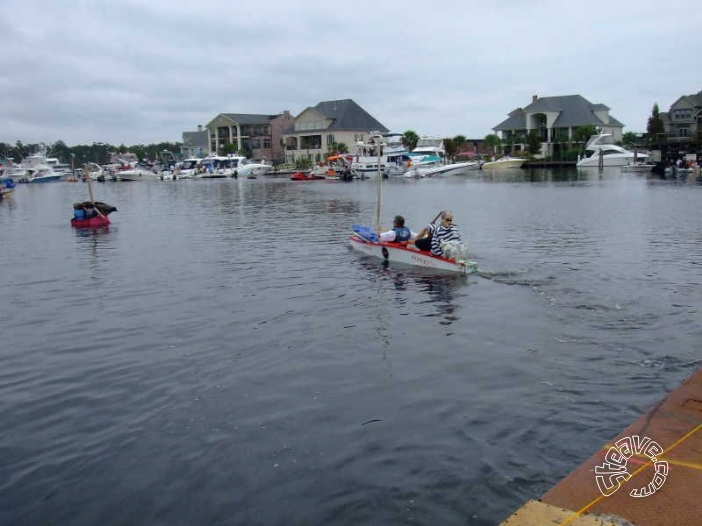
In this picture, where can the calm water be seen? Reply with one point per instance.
(220, 356)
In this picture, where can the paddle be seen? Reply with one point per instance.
(437, 217)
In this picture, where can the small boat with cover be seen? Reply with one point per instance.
(91, 214)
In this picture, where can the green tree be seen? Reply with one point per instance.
(450, 147)
(655, 124)
(409, 140)
(61, 151)
(584, 132)
(533, 143)
(629, 138)
(493, 141)
(459, 142)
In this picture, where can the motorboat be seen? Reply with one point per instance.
(38, 170)
(134, 173)
(392, 157)
(214, 167)
(600, 150)
(463, 168)
(188, 168)
(306, 176)
(251, 169)
(503, 163)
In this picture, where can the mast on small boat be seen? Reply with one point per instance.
(379, 180)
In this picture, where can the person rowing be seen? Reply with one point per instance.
(431, 237)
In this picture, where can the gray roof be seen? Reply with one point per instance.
(195, 139)
(249, 118)
(574, 110)
(346, 115)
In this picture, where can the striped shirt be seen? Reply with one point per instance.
(441, 233)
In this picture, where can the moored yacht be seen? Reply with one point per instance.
(603, 145)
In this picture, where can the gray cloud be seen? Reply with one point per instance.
(128, 71)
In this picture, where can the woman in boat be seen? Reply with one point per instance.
(431, 237)
(398, 233)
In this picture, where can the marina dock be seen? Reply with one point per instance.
(663, 485)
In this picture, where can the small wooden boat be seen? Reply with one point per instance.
(365, 240)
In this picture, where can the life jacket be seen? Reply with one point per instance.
(402, 233)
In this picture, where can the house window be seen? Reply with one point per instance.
(266, 143)
(330, 140)
(680, 115)
(684, 132)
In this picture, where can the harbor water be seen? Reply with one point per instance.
(219, 355)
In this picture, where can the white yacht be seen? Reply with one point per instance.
(393, 157)
(612, 155)
(250, 169)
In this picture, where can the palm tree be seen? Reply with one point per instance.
(409, 140)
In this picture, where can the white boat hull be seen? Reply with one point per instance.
(638, 168)
(400, 254)
(503, 163)
(608, 161)
(450, 169)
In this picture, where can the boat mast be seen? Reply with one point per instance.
(378, 141)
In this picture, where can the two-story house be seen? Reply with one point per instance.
(316, 129)
(683, 121)
(257, 136)
(195, 143)
(555, 119)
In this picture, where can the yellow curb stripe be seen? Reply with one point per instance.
(649, 463)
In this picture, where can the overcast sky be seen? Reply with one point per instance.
(144, 71)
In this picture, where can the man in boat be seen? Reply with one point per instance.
(398, 233)
(431, 237)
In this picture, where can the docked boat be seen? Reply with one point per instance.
(136, 172)
(7, 186)
(309, 176)
(600, 150)
(503, 163)
(213, 167)
(445, 170)
(38, 170)
(638, 167)
(391, 159)
(251, 169)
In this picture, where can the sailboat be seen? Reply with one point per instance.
(366, 240)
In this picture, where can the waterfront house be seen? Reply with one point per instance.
(683, 122)
(195, 144)
(555, 119)
(255, 135)
(316, 129)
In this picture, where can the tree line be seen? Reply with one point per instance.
(98, 152)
